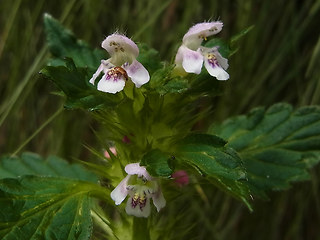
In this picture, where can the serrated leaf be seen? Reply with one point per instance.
(277, 145)
(45, 208)
(33, 164)
(80, 93)
(208, 154)
(211, 157)
(62, 43)
(157, 163)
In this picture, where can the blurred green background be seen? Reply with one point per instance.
(279, 60)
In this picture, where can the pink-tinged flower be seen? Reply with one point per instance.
(181, 178)
(191, 54)
(121, 66)
(113, 150)
(140, 187)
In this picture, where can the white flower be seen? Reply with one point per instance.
(191, 54)
(140, 186)
(121, 66)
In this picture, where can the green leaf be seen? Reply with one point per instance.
(149, 58)
(157, 163)
(176, 85)
(163, 82)
(74, 82)
(71, 80)
(208, 154)
(160, 77)
(33, 164)
(277, 145)
(45, 208)
(136, 95)
(62, 43)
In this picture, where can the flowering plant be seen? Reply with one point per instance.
(153, 147)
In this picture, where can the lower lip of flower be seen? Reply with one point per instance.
(212, 60)
(139, 199)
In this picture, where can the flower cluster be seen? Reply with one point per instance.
(123, 65)
(191, 54)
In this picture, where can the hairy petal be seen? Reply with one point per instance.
(195, 35)
(135, 168)
(117, 43)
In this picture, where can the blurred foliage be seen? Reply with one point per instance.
(276, 61)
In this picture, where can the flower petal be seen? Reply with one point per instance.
(120, 192)
(215, 70)
(136, 169)
(104, 66)
(158, 200)
(223, 62)
(96, 74)
(111, 85)
(194, 37)
(137, 210)
(138, 74)
(118, 43)
(191, 60)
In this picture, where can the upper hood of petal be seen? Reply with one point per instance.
(121, 49)
(136, 169)
(194, 37)
(116, 42)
